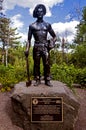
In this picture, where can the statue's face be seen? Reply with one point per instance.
(40, 13)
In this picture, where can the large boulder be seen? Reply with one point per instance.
(21, 104)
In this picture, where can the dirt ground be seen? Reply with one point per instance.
(5, 109)
(81, 122)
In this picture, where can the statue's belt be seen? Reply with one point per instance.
(43, 44)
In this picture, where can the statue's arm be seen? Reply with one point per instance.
(28, 44)
(52, 33)
(29, 37)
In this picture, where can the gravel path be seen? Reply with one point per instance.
(5, 110)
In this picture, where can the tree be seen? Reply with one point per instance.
(81, 29)
(78, 58)
(8, 37)
(79, 55)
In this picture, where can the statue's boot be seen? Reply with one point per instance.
(47, 82)
(37, 83)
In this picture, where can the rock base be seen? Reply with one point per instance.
(21, 104)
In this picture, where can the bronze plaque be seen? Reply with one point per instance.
(46, 109)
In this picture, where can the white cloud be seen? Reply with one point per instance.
(10, 4)
(66, 29)
(23, 37)
(16, 22)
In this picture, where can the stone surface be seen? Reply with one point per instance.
(21, 103)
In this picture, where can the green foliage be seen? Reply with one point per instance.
(64, 73)
(81, 76)
(7, 77)
(55, 57)
(68, 74)
(81, 29)
(8, 35)
(8, 38)
(79, 56)
(16, 70)
(11, 75)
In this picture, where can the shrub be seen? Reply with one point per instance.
(68, 74)
(81, 76)
(11, 75)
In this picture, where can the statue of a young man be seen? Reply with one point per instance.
(39, 30)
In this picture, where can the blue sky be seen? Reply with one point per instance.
(63, 15)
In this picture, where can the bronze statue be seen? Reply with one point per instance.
(40, 29)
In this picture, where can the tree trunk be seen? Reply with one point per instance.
(6, 62)
(3, 55)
